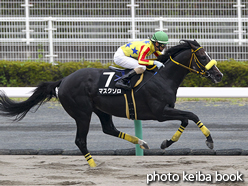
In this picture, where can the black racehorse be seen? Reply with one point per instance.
(155, 97)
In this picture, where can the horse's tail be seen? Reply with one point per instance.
(44, 92)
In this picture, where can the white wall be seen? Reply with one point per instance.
(187, 92)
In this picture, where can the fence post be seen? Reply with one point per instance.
(26, 5)
(132, 6)
(50, 38)
(161, 26)
(137, 123)
(240, 31)
(138, 134)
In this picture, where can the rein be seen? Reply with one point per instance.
(198, 63)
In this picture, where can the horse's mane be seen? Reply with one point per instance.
(173, 51)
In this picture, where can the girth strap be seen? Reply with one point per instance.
(130, 105)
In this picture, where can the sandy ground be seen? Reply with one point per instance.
(123, 170)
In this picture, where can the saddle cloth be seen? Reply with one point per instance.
(108, 78)
(106, 86)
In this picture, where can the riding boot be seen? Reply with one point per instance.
(124, 81)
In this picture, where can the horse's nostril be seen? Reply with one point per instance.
(219, 77)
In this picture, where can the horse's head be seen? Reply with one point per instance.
(202, 63)
(191, 56)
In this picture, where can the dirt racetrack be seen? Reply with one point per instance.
(124, 170)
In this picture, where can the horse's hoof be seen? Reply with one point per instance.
(210, 145)
(143, 144)
(166, 144)
(209, 142)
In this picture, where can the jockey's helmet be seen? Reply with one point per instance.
(160, 37)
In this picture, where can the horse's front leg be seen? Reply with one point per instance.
(174, 114)
(176, 136)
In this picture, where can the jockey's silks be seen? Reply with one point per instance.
(140, 50)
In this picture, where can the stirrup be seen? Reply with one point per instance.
(120, 84)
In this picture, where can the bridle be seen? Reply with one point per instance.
(204, 72)
(202, 68)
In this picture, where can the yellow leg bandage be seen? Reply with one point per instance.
(128, 137)
(178, 133)
(90, 160)
(204, 129)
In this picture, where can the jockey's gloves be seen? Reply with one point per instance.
(158, 64)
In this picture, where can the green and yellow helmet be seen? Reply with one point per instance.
(160, 37)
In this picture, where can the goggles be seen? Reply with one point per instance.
(162, 45)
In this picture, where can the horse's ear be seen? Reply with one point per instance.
(193, 46)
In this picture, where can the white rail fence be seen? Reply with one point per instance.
(84, 30)
(185, 92)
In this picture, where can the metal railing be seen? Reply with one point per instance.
(76, 31)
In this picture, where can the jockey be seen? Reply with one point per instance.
(133, 56)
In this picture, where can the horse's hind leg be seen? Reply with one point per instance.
(109, 128)
(81, 138)
(82, 115)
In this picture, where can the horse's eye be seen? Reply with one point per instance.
(203, 57)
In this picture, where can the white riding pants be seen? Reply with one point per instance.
(127, 62)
